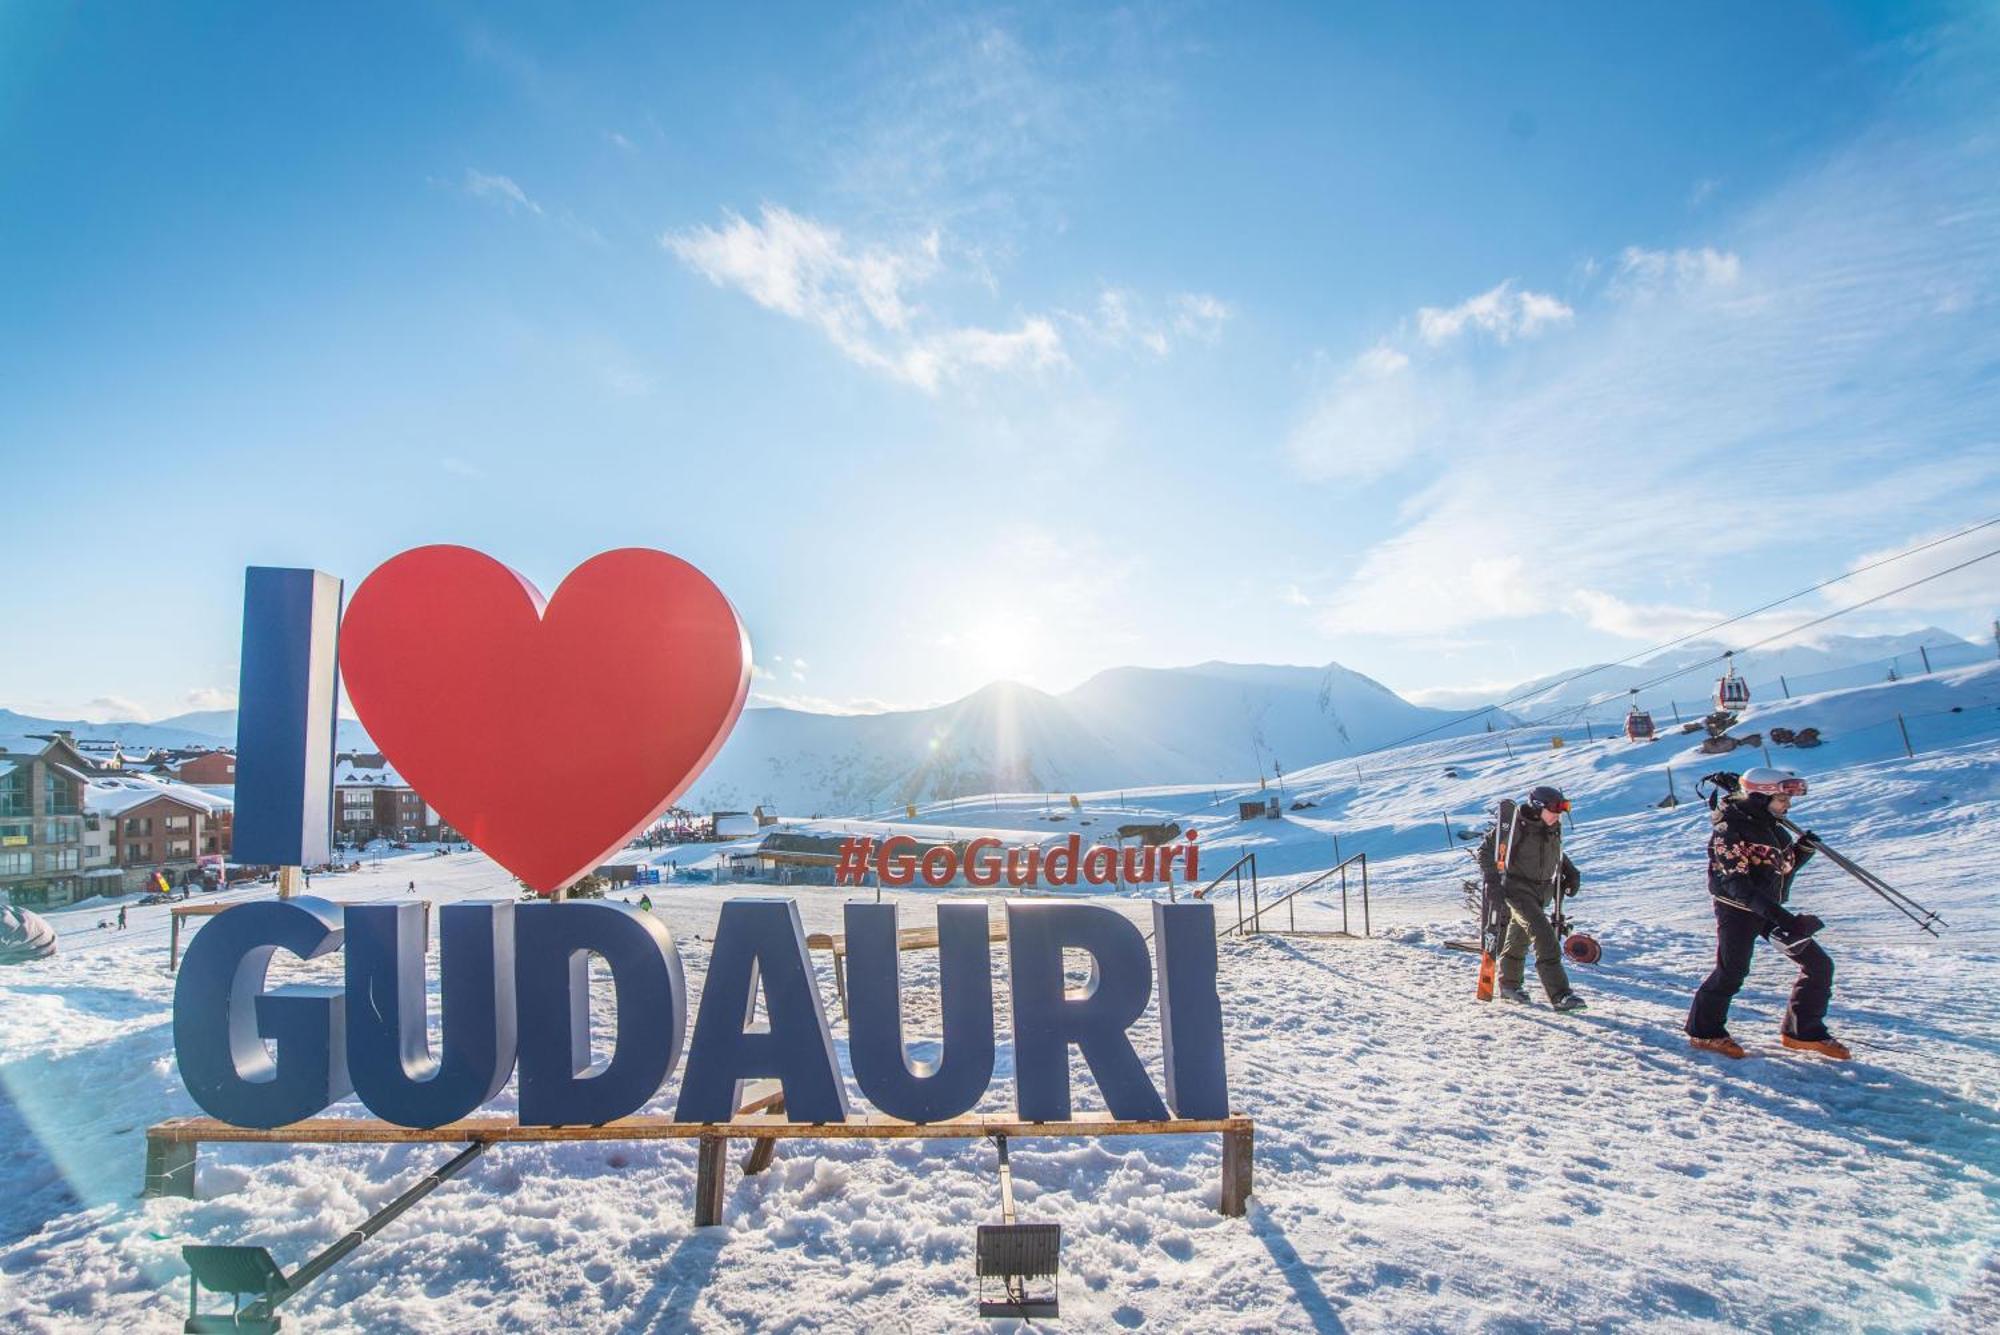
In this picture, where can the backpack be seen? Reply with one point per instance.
(1717, 785)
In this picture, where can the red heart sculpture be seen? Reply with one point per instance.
(546, 732)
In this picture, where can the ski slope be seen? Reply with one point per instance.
(1423, 1162)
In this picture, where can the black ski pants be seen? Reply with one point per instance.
(1736, 933)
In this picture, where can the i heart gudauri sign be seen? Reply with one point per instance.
(639, 666)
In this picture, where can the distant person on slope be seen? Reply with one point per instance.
(1751, 863)
(1523, 860)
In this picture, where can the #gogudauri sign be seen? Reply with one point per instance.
(550, 731)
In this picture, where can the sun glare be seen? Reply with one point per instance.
(1002, 645)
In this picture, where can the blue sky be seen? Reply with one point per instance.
(958, 343)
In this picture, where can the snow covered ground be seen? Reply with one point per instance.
(1423, 1162)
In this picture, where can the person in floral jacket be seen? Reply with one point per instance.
(1752, 859)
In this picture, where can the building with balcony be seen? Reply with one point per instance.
(372, 801)
(140, 825)
(42, 779)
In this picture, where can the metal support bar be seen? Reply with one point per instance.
(170, 1168)
(262, 1309)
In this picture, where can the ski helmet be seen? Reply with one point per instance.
(1771, 782)
(1547, 798)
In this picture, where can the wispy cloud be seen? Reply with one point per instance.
(973, 120)
(860, 298)
(1502, 313)
(117, 709)
(1124, 319)
(1645, 273)
(1815, 370)
(210, 697)
(1368, 419)
(498, 190)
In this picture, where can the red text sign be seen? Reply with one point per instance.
(986, 861)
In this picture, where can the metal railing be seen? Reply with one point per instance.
(1235, 870)
(1255, 922)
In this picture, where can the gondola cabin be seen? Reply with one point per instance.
(1732, 693)
(1638, 725)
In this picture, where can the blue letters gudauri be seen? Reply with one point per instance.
(515, 995)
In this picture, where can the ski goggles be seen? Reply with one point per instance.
(1791, 786)
(1558, 807)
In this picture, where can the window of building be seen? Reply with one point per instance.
(177, 822)
(132, 853)
(180, 848)
(14, 833)
(60, 790)
(14, 793)
(16, 863)
(68, 859)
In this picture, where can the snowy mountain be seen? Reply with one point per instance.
(1211, 723)
(208, 727)
(138, 735)
(1215, 722)
(1829, 664)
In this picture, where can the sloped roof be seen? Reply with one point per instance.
(110, 795)
(348, 775)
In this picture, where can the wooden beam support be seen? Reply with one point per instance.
(710, 1164)
(874, 1126)
(1237, 1154)
(764, 1148)
(171, 1145)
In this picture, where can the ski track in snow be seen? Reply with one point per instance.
(1423, 1162)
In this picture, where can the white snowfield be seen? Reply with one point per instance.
(1423, 1162)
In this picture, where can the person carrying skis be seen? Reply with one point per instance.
(1523, 861)
(1751, 863)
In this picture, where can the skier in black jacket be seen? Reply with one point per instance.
(1524, 864)
(1751, 862)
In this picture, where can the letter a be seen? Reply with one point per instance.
(761, 939)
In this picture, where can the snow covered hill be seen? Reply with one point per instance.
(207, 727)
(1834, 661)
(1171, 725)
(1210, 723)
(1423, 1162)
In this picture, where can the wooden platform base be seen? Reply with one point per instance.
(171, 1146)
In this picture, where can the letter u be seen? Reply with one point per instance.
(919, 1091)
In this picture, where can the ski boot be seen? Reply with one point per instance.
(1569, 1001)
(1513, 994)
(1828, 1046)
(1722, 1043)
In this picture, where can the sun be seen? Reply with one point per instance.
(1002, 645)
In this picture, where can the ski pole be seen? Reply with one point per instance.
(1895, 898)
(1876, 883)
